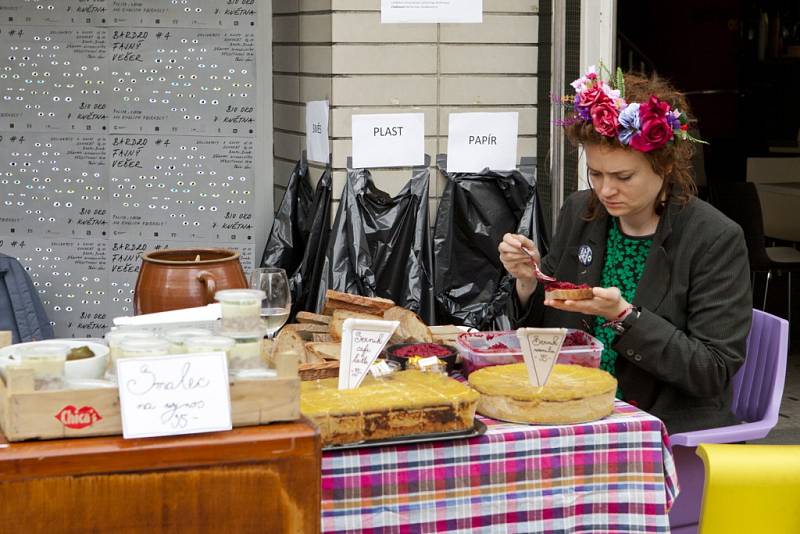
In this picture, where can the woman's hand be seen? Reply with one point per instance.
(607, 303)
(519, 264)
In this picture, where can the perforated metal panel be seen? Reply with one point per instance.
(72, 280)
(183, 82)
(182, 187)
(53, 185)
(53, 79)
(125, 126)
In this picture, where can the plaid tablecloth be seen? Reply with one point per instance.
(613, 475)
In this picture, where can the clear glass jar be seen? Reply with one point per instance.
(47, 361)
(241, 309)
(211, 344)
(179, 337)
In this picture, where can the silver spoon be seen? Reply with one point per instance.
(539, 274)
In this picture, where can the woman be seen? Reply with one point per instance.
(670, 276)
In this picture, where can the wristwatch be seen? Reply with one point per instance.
(620, 327)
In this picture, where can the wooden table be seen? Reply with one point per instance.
(251, 479)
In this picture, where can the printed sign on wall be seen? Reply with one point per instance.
(388, 140)
(476, 141)
(317, 146)
(431, 11)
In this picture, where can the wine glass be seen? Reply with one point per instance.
(275, 307)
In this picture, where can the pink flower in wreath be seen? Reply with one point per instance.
(653, 108)
(605, 118)
(655, 133)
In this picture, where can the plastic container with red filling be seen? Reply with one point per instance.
(401, 352)
(483, 349)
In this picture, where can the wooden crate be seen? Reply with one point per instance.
(28, 414)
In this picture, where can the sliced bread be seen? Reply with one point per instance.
(337, 300)
(340, 316)
(313, 318)
(327, 351)
(411, 326)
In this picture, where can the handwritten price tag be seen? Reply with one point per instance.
(362, 342)
(540, 348)
(173, 395)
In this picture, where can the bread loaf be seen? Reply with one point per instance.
(336, 300)
(327, 351)
(411, 326)
(340, 316)
(313, 318)
(290, 340)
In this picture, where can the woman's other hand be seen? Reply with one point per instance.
(607, 303)
(519, 264)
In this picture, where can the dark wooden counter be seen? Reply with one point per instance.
(251, 479)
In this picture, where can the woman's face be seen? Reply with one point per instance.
(623, 180)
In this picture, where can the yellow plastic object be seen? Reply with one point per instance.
(750, 488)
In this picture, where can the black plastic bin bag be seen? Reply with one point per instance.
(381, 245)
(475, 211)
(299, 235)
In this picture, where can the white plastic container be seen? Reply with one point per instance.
(115, 339)
(484, 349)
(241, 309)
(142, 348)
(47, 361)
(246, 353)
(210, 344)
(179, 337)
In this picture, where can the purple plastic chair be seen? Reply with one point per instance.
(757, 392)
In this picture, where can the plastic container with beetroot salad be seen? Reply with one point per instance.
(484, 349)
(402, 352)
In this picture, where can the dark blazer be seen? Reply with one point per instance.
(678, 358)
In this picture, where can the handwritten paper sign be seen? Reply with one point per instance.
(362, 342)
(476, 141)
(540, 348)
(172, 395)
(431, 11)
(317, 147)
(388, 140)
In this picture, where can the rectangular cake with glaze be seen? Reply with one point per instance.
(400, 404)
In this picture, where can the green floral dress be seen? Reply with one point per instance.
(623, 268)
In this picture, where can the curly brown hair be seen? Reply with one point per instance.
(673, 162)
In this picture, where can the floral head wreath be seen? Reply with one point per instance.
(642, 126)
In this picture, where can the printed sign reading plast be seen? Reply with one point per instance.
(540, 348)
(476, 141)
(176, 394)
(317, 146)
(388, 140)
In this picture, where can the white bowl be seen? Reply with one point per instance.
(93, 367)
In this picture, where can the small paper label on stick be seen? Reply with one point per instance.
(362, 342)
(540, 348)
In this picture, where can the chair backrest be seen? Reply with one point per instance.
(758, 386)
(750, 488)
(739, 202)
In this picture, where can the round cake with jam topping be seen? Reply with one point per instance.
(572, 394)
(567, 291)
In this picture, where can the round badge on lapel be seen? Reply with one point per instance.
(585, 255)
